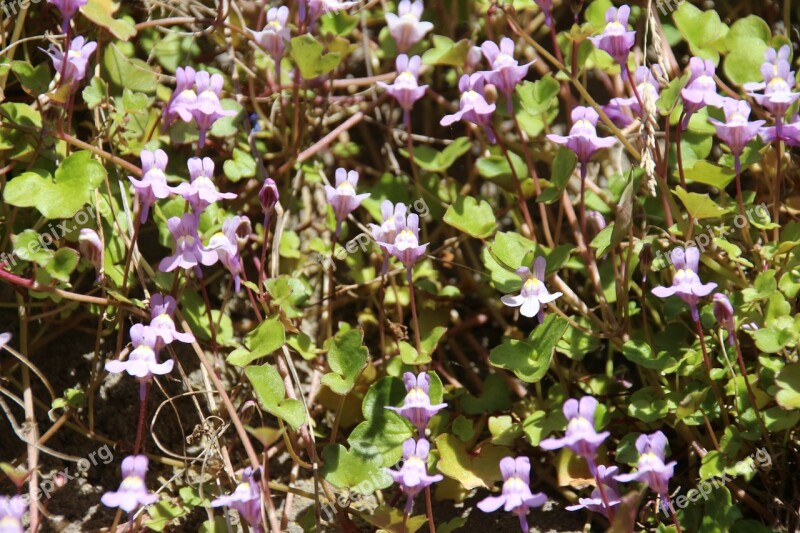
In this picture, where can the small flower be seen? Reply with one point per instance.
(737, 130)
(389, 228)
(413, 475)
(473, 59)
(12, 509)
(343, 198)
(506, 72)
(701, 90)
(142, 362)
(406, 27)
(276, 33)
(268, 196)
(516, 496)
(162, 311)
(778, 83)
(208, 108)
(646, 86)
(91, 247)
(547, 8)
(225, 244)
(153, 185)
(183, 99)
(245, 499)
(581, 436)
(406, 89)
(405, 246)
(616, 40)
(68, 9)
(650, 467)
(723, 312)
(78, 56)
(417, 407)
(5, 338)
(686, 283)
(201, 191)
(533, 295)
(472, 105)
(611, 489)
(582, 138)
(316, 8)
(132, 492)
(189, 250)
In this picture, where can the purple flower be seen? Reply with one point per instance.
(268, 196)
(225, 244)
(343, 198)
(201, 191)
(547, 8)
(68, 9)
(611, 489)
(650, 467)
(516, 496)
(189, 250)
(616, 40)
(406, 27)
(208, 108)
(777, 85)
(506, 72)
(405, 246)
(183, 99)
(686, 283)
(275, 34)
(142, 362)
(316, 8)
(132, 492)
(77, 60)
(153, 185)
(12, 509)
(723, 312)
(91, 247)
(647, 87)
(392, 216)
(406, 89)
(413, 475)
(162, 311)
(472, 105)
(582, 138)
(533, 295)
(246, 500)
(473, 59)
(581, 437)
(701, 90)
(417, 407)
(737, 130)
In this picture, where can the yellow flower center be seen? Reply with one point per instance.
(531, 283)
(406, 77)
(346, 187)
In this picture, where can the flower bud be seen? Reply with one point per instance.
(268, 195)
(91, 247)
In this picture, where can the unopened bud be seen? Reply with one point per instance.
(268, 195)
(243, 232)
(91, 247)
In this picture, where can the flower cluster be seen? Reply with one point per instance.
(196, 98)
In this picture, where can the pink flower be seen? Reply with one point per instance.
(723, 312)
(778, 83)
(413, 475)
(516, 496)
(390, 226)
(12, 510)
(650, 467)
(686, 284)
(582, 138)
(246, 499)
(183, 99)
(472, 105)
(534, 295)
(581, 436)
(276, 33)
(91, 248)
(68, 9)
(737, 130)
(506, 72)
(77, 60)
(595, 503)
(646, 86)
(189, 250)
(406, 89)
(616, 40)
(406, 27)
(701, 90)
(162, 323)
(405, 246)
(343, 198)
(208, 108)
(201, 191)
(142, 362)
(132, 492)
(225, 244)
(153, 185)
(417, 407)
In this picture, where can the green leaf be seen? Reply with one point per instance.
(710, 174)
(463, 428)
(129, 73)
(347, 357)
(669, 96)
(162, 514)
(265, 339)
(35, 81)
(432, 160)
(28, 247)
(646, 405)
(469, 216)
(383, 432)
(700, 206)
(640, 353)
(703, 30)
(75, 180)
(788, 382)
(563, 166)
(63, 264)
(539, 96)
(269, 389)
(496, 397)
(530, 360)
(241, 166)
(746, 41)
(472, 470)
(101, 12)
(348, 470)
(15, 143)
(308, 54)
(446, 52)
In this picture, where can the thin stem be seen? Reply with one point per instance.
(776, 192)
(331, 292)
(523, 205)
(429, 510)
(674, 517)
(144, 388)
(262, 269)
(414, 318)
(746, 227)
(679, 151)
(707, 361)
(601, 488)
(583, 204)
(535, 176)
